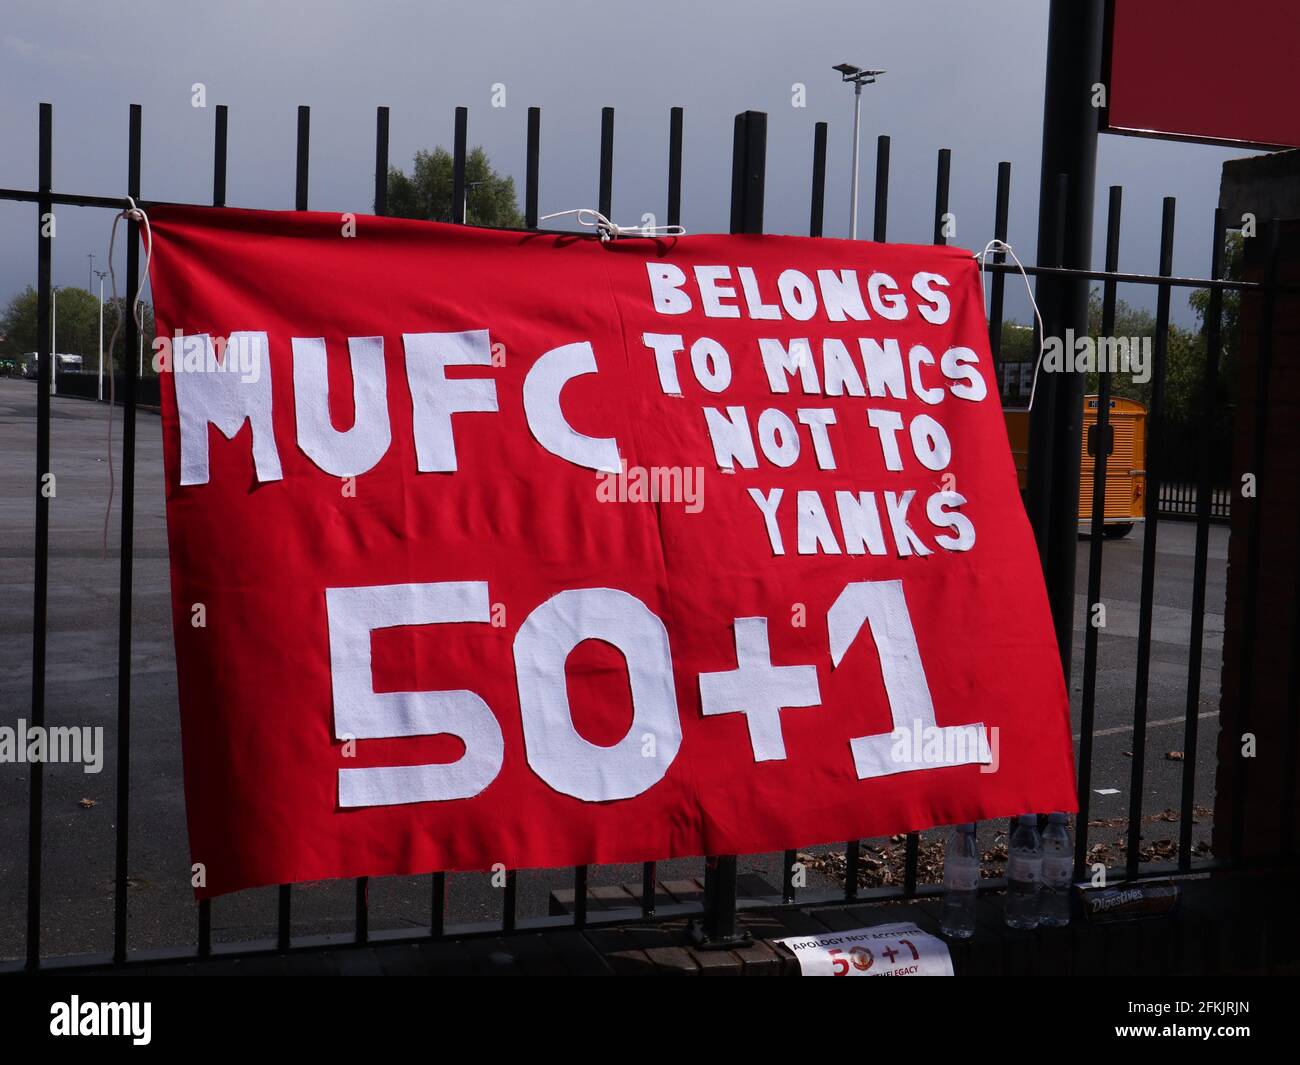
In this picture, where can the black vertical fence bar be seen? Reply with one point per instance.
(606, 180)
(40, 596)
(816, 215)
(852, 849)
(438, 905)
(737, 172)
(1250, 614)
(1292, 755)
(580, 896)
(675, 167)
(912, 848)
(882, 189)
(942, 175)
(219, 158)
(1043, 487)
(361, 888)
(649, 886)
(284, 896)
(998, 283)
(509, 901)
(361, 909)
(911, 857)
(1091, 635)
(649, 873)
(1044, 473)
(531, 158)
(218, 200)
(753, 158)
(126, 554)
(531, 167)
(381, 161)
(1041, 472)
(749, 164)
(852, 867)
(788, 859)
(879, 232)
(459, 210)
(1200, 563)
(607, 161)
(300, 172)
(817, 210)
(205, 928)
(1155, 441)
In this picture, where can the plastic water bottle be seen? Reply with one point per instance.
(961, 881)
(1058, 871)
(1024, 873)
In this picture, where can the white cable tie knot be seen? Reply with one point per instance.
(136, 214)
(1001, 247)
(608, 230)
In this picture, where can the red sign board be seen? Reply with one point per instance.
(494, 547)
(1203, 70)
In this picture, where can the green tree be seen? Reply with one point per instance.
(1231, 302)
(426, 193)
(1184, 359)
(76, 326)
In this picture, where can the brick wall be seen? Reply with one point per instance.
(1261, 642)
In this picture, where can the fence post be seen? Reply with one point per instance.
(1070, 122)
(748, 164)
(40, 581)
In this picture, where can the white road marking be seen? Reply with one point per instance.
(1150, 724)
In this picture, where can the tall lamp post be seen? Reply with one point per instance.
(859, 77)
(54, 359)
(101, 274)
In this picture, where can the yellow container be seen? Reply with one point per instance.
(1125, 462)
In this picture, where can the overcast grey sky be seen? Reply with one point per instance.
(961, 74)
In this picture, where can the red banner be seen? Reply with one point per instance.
(490, 547)
(1203, 70)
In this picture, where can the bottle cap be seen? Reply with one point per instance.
(1027, 819)
(1058, 819)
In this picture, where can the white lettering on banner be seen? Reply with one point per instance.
(879, 372)
(357, 450)
(555, 750)
(542, 387)
(934, 306)
(882, 606)
(435, 397)
(797, 295)
(223, 400)
(361, 712)
(880, 950)
(227, 401)
(758, 689)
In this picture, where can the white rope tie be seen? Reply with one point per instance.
(134, 214)
(608, 230)
(995, 246)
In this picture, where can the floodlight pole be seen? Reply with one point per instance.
(853, 206)
(859, 76)
(101, 338)
(1067, 183)
(54, 359)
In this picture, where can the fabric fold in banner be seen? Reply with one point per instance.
(498, 547)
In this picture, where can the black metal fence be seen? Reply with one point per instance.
(1178, 500)
(748, 168)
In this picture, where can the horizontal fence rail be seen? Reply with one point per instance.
(1198, 500)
